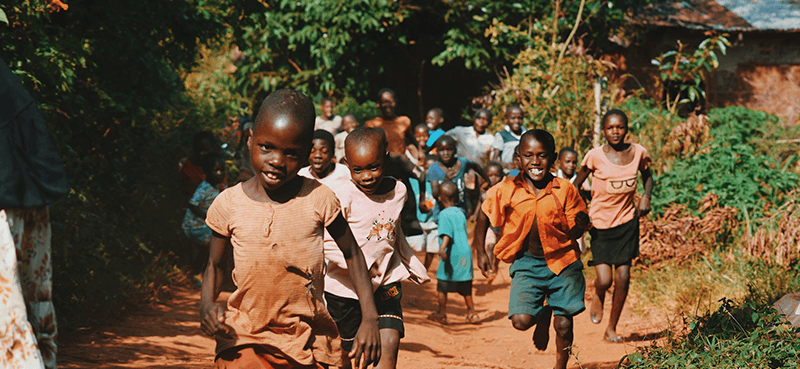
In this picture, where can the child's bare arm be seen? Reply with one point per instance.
(435, 189)
(446, 240)
(367, 340)
(479, 242)
(583, 173)
(198, 211)
(478, 169)
(644, 202)
(212, 316)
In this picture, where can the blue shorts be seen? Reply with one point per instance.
(532, 282)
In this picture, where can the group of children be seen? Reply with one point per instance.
(319, 256)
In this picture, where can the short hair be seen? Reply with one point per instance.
(289, 101)
(365, 135)
(207, 162)
(483, 110)
(449, 189)
(201, 136)
(325, 99)
(351, 116)
(326, 136)
(618, 113)
(389, 90)
(421, 125)
(438, 111)
(495, 164)
(566, 150)
(445, 139)
(544, 138)
(514, 107)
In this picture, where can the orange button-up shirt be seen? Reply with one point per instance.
(514, 206)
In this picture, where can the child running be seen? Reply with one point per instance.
(274, 222)
(495, 172)
(567, 165)
(321, 165)
(455, 255)
(506, 141)
(615, 236)
(371, 204)
(452, 168)
(541, 217)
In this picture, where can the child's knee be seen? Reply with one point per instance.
(522, 322)
(562, 325)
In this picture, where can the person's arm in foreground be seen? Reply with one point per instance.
(583, 173)
(479, 242)
(212, 316)
(644, 202)
(367, 340)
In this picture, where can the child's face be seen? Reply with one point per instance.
(514, 120)
(387, 105)
(321, 156)
(217, 173)
(567, 163)
(433, 120)
(327, 109)
(205, 147)
(481, 122)
(495, 174)
(534, 160)
(428, 163)
(615, 130)
(446, 151)
(349, 123)
(421, 135)
(366, 166)
(277, 150)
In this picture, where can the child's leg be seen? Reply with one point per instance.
(622, 277)
(601, 285)
(390, 345)
(564, 336)
(442, 302)
(429, 260)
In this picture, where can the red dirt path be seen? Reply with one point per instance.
(169, 336)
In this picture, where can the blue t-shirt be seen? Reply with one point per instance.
(458, 266)
(431, 215)
(436, 173)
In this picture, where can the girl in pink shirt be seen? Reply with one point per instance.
(615, 236)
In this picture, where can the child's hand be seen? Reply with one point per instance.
(582, 220)
(212, 319)
(374, 271)
(644, 205)
(368, 343)
(443, 253)
(423, 206)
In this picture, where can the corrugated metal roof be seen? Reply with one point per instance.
(726, 15)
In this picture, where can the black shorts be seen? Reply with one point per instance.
(615, 246)
(346, 312)
(463, 288)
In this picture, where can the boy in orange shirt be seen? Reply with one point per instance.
(274, 223)
(541, 217)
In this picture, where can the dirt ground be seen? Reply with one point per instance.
(169, 336)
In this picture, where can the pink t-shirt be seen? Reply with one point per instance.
(278, 272)
(334, 179)
(375, 222)
(613, 186)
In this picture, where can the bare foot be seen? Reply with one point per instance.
(490, 278)
(596, 310)
(611, 336)
(438, 317)
(541, 334)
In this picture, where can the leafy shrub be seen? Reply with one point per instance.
(752, 334)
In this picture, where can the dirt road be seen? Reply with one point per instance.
(168, 336)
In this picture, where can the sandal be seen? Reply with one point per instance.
(473, 318)
(438, 317)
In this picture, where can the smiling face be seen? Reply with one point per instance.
(327, 109)
(387, 105)
(495, 174)
(567, 163)
(320, 159)
(481, 121)
(534, 160)
(433, 120)
(421, 135)
(615, 130)
(365, 161)
(514, 119)
(278, 148)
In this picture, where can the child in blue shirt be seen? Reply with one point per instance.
(194, 225)
(450, 167)
(428, 241)
(455, 255)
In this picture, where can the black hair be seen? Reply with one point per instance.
(421, 125)
(293, 103)
(326, 136)
(431, 157)
(495, 164)
(201, 136)
(207, 162)
(483, 110)
(514, 107)
(453, 193)
(566, 150)
(544, 138)
(446, 138)
(389, 90)
(438, 111)
(618, 113)
(364, 135)
(350, 115)
(326, 99)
